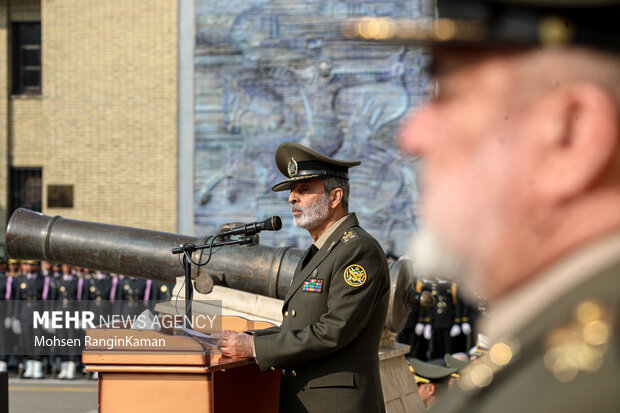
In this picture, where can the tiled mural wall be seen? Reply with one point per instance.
(272, 71)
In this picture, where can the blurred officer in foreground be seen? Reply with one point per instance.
(432, 380)
(521, 192)
(335, 309)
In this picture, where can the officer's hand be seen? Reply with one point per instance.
(427, 331)
(466, 329)
(455, 330)
(419, 329)
(7, 323)
(17, 326)
(237, 344)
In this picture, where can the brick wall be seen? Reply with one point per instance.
(106, 122)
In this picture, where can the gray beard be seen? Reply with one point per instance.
(431, 257)
(312, 215)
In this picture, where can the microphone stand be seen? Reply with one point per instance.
(187, 250)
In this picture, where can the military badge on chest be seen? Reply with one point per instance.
(313, 285)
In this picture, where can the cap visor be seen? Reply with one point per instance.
(286, 185)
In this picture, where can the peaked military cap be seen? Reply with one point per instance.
(500, 23)
(428, 372)
(298, 163)
(454, 363)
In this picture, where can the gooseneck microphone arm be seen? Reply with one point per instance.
(271, 224)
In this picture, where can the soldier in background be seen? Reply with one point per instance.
(50, 276)
(5, 294)
(12, 340)
(131, 295)
(442, 318)
(433, 381)
(14, 269)
(100, 292)
(158, 291)
(56, 270)
(443, 328)
(46, 268)
(413, 332)
(31, 288)
(100, 289)
(68, 290)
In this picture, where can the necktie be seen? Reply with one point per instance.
(312, 253)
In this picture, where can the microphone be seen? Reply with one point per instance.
(270, 224)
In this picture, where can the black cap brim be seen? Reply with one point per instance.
(494, 23)
(286, 184)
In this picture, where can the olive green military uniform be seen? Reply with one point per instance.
(557, 342)
(334, 310)
(334, 314)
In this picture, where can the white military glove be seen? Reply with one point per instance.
(7, 323)
(17, 326)
(466, 328)
(455, 330)
(428, 332)
(419, 329)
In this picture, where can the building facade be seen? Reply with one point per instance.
(88, 110)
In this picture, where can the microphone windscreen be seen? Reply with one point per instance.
(275, 223)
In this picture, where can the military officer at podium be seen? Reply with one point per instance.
(335, 308)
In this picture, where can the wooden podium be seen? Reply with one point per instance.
(139, 374)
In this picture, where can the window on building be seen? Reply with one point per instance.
(26, 58)
(25, 189)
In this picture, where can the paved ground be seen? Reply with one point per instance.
(67, 396)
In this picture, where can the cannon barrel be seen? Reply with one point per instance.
(148, 254)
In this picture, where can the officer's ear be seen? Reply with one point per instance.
(576, 140)
(431, 388)
(335, 197)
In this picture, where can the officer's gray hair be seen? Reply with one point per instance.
(333, 183)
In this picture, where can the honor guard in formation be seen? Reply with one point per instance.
(23, 286)
(335, 309)
(520, 193)
(446, 327)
